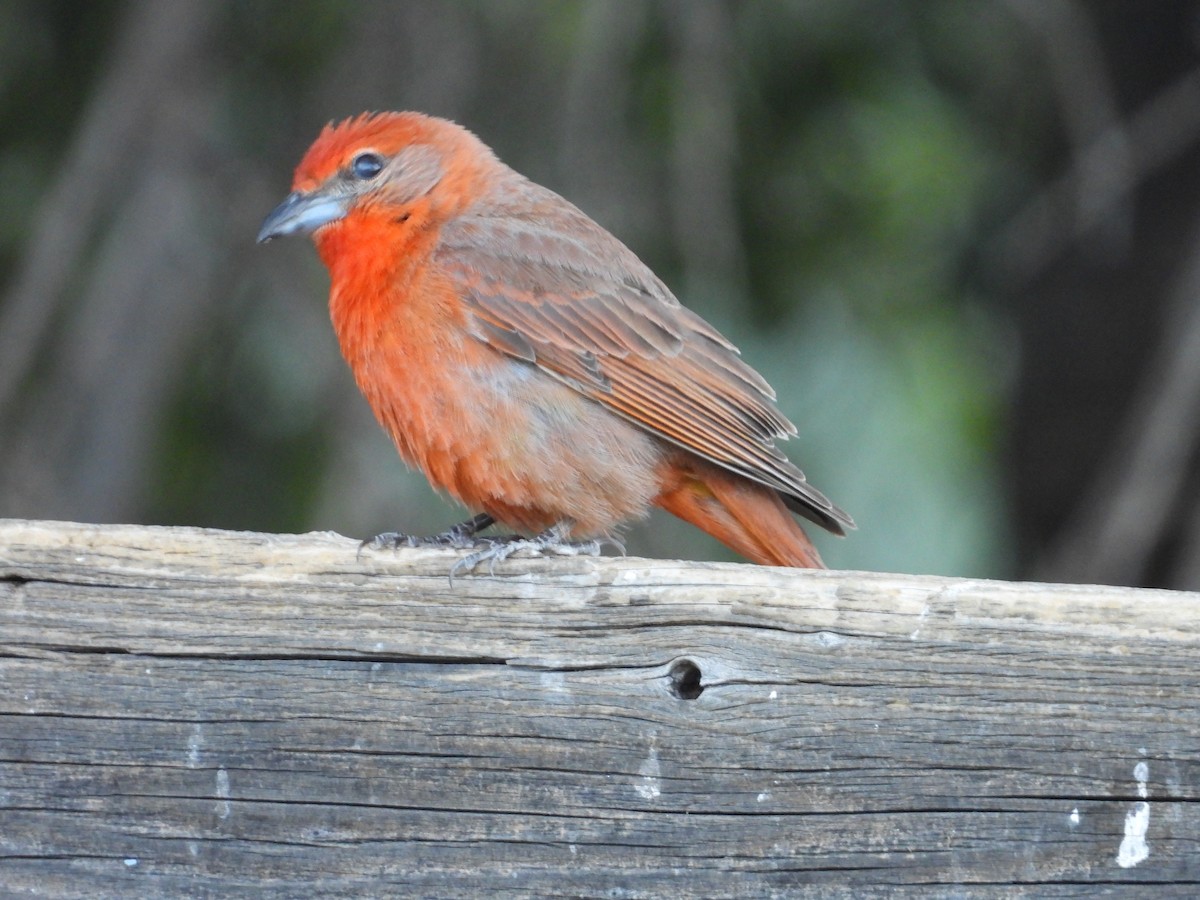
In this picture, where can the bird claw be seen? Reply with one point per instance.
(492, 550)
(552, 542)
(459, 537)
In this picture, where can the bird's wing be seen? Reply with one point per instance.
(545, 284)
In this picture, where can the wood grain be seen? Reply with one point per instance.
(188, 712)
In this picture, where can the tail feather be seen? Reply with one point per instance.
(745, 516)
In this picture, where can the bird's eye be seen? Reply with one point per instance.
(366, 166)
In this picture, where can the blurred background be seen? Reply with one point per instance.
(960, 239)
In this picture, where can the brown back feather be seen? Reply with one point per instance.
(547, 285)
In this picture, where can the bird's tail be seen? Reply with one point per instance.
(745, 516)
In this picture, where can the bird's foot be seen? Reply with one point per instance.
(460, 537)
(551, 542)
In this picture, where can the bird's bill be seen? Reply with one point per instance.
(303, 213)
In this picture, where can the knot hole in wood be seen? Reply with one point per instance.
(685, 680)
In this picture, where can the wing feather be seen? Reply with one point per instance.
(545, 284)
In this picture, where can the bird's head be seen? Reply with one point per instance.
(381, 166)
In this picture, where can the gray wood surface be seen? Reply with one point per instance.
(186, 712)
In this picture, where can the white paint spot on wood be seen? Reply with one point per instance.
(763, 795)
(773, 695)
(920, 623)
(223, 805)
(1074, 817)
(195, 743)
(1134, 848)
(649, 785)
(1141, 772)
(130, 861)
(631, 576)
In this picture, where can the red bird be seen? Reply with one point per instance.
(526, 360)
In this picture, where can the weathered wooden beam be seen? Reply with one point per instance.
(188, 712)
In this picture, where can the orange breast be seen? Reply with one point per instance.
(498, 434)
